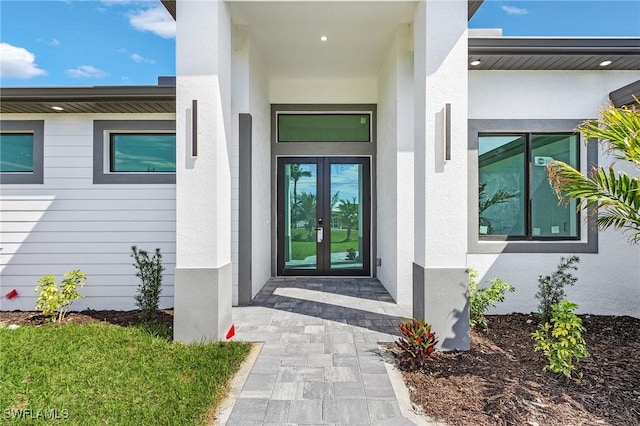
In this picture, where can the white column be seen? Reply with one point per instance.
(203, 283)
(440, 73)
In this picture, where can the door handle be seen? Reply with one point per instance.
(319, 234)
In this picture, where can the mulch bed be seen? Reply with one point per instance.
(122, 318)
(500, 380)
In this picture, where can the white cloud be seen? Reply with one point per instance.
(141, 59)
(86, 71)
(54, 42)
(18, 62)
(512, 10)
(156, 20)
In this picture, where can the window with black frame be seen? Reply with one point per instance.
(142, 153)
(516, 201)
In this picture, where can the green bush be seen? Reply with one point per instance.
(417, 342)
(561, 340)
(150, 273)
(481, 299)
(54, 299)
(551, 287)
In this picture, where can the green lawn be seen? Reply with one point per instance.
(100, 374)
(300, 250)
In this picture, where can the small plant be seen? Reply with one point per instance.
(55, 299)
(417, 342)
(481, 299)
(351, 254)
(551, 287)
(150, 273)
(561, 340)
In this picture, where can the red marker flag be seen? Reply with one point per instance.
(13, 293)
(231, 332)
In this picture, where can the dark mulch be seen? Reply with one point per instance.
(122, 318)
(500, 380)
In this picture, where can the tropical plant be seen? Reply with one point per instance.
(615, 195)
(417, 342)
(481, 299)
(150, 273)
(502, 195)
(561, 340)
(348, 211)
(307, 209)
(54, 299)
(551, 287)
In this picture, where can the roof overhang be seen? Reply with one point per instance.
(504, 53)
(100, 99)
(627, 95)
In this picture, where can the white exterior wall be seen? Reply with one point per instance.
(609, 281)
(69, 223)
(250, 94)
(336, 91)
(395, 169)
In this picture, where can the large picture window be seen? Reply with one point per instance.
(134, 151)
(516, 200)
(21, 151)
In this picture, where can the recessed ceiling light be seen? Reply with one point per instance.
(323, 38)
(605, 63)
(57, 108)
(475, 63)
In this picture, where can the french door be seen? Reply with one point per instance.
(324, 215)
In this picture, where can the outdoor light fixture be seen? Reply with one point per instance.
(446, 132)
(475, 63)
(605, 63)
(194, 128)
(323, 38)
(57, 108)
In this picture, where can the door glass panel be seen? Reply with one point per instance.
(300, 207)
(346, 216)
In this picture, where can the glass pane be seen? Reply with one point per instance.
(324, 128)
(549, 218)
(148, 152)
(346, 216)
(16, 152)
(501, 207)
(300, 206)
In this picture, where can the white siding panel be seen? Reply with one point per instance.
(70, 223)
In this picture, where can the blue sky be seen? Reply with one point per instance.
(132, 42)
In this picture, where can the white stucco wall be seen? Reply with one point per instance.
(395, 168)
(336, 91)
(69, 223)
(609, 281)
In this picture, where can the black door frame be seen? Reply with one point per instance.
(323, 210)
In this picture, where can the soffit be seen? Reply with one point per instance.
(109, 99)
(518, 54)
(287, 35)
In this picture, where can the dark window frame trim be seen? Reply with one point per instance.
(102, 129)
(528, 166)
(36, 128)
(588, 242)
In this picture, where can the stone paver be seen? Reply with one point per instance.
(320, 362)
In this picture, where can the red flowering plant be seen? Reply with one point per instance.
(416, 344)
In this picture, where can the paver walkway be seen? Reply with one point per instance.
(320, 362)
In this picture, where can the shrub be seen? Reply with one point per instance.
(150, 273)
(54, 299)
(417, 342)
(551, 287)
(561, 340)
(481, 299)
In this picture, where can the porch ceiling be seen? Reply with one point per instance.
(287, 35)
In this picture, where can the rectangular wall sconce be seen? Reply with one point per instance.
(194, 128)
(446, 132)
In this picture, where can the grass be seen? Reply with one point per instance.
(300, 250)
(101, 374)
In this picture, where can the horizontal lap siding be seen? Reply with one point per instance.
(70, 223)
